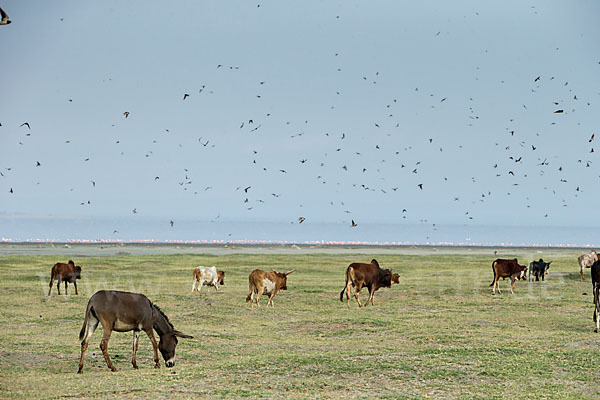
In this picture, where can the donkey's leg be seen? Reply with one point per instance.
(104, 345)
(155, 347)
(136, 336)
(92, 325)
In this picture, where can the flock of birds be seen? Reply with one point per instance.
(372, 173)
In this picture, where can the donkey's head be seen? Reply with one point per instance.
(167, 345)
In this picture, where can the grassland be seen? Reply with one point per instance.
(439, 334)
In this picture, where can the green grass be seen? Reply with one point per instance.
(439, 334)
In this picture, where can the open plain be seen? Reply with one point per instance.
(439, 334)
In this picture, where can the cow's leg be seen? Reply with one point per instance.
(271, 299)
(92, 324)
(104, 345)
(216, 287)
(136, 336)
(348, 289)
(75, 284)
(494, 284)
(66, 293)
(58, 282)
(194, 283)
(581, 272)
(259, 293)
(542, 277)
(370, 299)
(357, 293)
(154, 347)
(512, 284)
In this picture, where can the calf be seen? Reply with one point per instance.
(596, 288)
(269, 283)
(504, 269)
(208, 276)
(539, 268)
(586, 261)
(64, 273)
(369, 275)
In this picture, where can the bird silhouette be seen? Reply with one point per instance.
(353, 224)
(126, 114)
(4, 20)
(301, 220)
(185, 96)
(25, 124)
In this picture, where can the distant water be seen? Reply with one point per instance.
(154, 230)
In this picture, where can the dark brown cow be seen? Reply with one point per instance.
(507, 268)
(124, 312)
(369, 275)
(269, 283)
(596, 288)
(65, 273)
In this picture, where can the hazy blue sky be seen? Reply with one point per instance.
(348, 98)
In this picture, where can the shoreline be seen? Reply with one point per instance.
(70, 249)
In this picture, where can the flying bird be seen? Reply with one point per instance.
(558, 111)
(126, 114)
(171, 222)
(37, 164)
(185, 96)
(592, 138)
(5, 20)
(25, 124)
(420, 185)
(301, 220)
(353, 224)
(134, 211)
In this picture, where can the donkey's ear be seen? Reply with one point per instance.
(182, 335)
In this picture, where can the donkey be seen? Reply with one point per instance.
(124, 312)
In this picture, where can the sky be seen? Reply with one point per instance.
(331, 111)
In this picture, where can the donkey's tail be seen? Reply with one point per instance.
(83, 330)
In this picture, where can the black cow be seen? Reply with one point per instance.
(538, 268)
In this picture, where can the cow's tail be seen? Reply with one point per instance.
(83, 330)
(494, 270)
(345, 286)
(250, 289)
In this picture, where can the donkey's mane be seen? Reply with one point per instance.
(163, 314)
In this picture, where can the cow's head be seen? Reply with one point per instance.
(396, 278)
(282, 278)
(77, 272)
(547, 266)
(221, 277)
(522, 272)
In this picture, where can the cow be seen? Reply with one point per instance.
(208, 276)
(586, 261)
(538, 268)
(370, 276)
(596, 288)
(64, 273)
(507, 268)
(268, 283)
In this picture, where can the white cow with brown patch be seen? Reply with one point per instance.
(208, 276)
(586, 261)
(268, 283)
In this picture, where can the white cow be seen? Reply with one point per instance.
(586, 261)
(208, 276)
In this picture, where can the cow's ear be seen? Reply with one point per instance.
(182, 335)
(550, 263)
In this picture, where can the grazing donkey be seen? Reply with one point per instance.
(124, 312)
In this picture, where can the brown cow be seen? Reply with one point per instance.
(507, 268)
(369, 275)
(269, 283)
(65, 273)
(586, 261)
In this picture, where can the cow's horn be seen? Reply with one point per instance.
(289, 272)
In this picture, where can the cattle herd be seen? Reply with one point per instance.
(124, 311)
